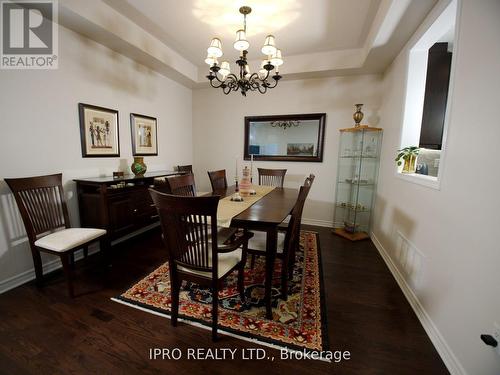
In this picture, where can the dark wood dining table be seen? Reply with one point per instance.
(265, 215)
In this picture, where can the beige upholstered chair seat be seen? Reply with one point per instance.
(69, 238)
(258, 241)
(226, 262)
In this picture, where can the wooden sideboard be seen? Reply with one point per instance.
(119, 210)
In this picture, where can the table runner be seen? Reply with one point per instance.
(229, 209)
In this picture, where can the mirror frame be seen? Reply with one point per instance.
(321, 117)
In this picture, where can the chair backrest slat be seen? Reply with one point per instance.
(218, 179)
(185, 168)
(189, 226)
(41, 203)
(182, 185)
(271, 177)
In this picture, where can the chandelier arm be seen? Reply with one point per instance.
(266, 77)
(233, 84)
(231, 77)
(253, 84)
(214, 86)
(217, 78)
(264, 89)
(275, 84)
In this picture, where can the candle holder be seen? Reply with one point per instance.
(236, 197)
(251, 191)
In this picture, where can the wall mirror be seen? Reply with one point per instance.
(285, 137)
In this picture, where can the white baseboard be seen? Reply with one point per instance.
(29, 275)
(319, 223)
(449, 359)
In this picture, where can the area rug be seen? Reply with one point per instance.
(298, 323)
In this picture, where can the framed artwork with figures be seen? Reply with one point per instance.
(144, 135)
(99, 131)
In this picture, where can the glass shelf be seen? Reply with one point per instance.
(359, 156)
(351, 208)
(356, 183)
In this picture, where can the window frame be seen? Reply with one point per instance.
(438, 11)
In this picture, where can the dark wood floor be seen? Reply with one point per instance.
(45, 332)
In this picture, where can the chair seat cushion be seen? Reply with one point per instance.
(258, 241)
(69, 238)
(226, 261)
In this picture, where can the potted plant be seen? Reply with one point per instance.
(408, 155)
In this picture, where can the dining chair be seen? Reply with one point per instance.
(287, 241)
(181, 185)
(185, 168)
(291, 257)
(218, 179)
(44, 213)
(271, 177)
(283, 227)
(197, 250)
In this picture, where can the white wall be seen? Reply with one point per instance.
(452, 231)
(218, 131)
(39, 129)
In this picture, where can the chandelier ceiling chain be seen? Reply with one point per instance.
(220, 75)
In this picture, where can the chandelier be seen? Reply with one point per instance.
(220, 75)
(285, 124)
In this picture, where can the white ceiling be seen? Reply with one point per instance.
(317, 37)
(300, 27)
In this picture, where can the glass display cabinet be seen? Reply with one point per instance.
(357, 173)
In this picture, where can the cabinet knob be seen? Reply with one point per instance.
(135, 209)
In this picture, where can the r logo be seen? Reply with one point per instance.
(27, 28)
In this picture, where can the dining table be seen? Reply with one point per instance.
(265, 215)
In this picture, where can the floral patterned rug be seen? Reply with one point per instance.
(298, 323)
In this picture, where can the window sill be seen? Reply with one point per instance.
(420, 179)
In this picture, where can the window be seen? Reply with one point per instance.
(427, 96)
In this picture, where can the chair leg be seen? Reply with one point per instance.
(291, 262)
(85, 252)
(241, 272)
(175, 284)
(72, 260)
(65, 259)
(284, 279)
(37, 262)
(252, 262)
(215, 309)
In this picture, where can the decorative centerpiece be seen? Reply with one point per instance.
(408, 156)
(138, 167)
(245, 184)
(358, 115)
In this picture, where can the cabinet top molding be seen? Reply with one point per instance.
(130, 177)
(361, 128)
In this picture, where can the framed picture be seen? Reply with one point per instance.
(144, 135)
(98, 131)
(300, 149)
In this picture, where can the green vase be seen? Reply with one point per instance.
(138, 167)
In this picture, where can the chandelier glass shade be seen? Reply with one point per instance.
(220, 75)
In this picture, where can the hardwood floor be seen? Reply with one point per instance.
(42, 331)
